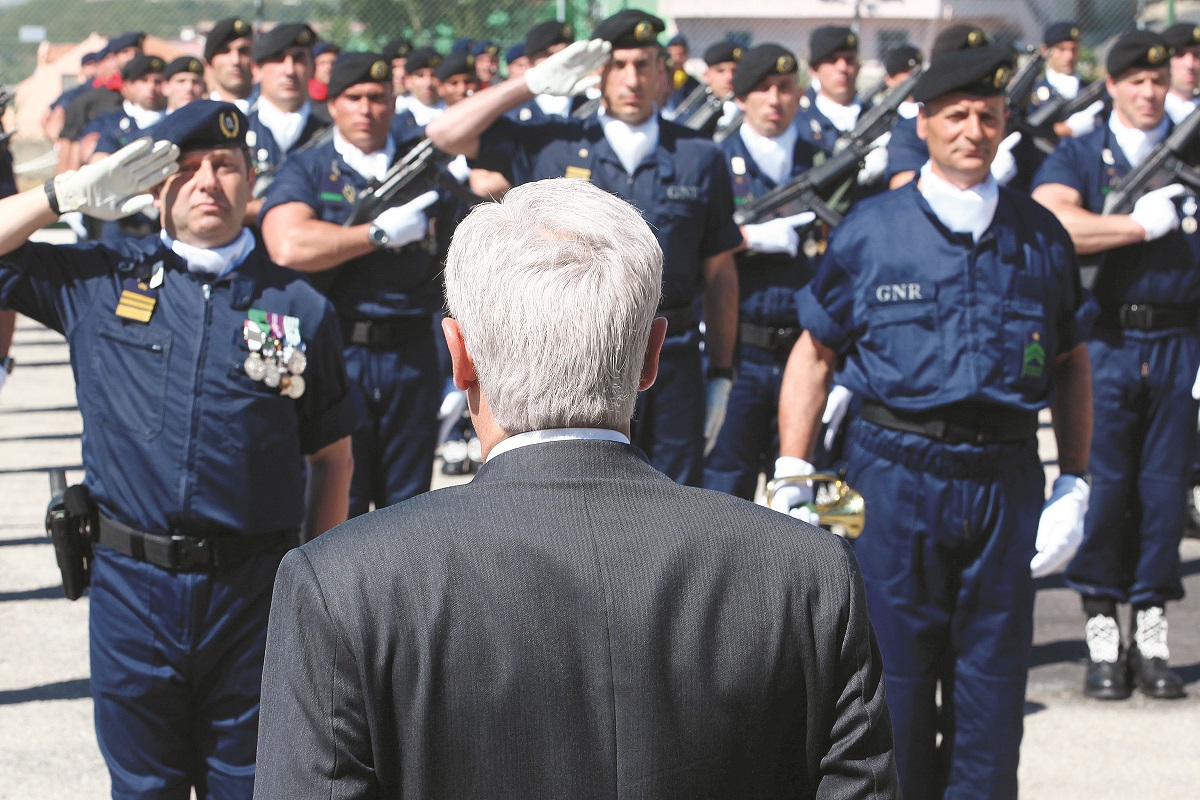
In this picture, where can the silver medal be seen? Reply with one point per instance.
(254, 366)
(271, 374)
(297, 363)
(1189, 225)
(295, 388)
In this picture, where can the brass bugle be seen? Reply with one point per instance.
(844, 509)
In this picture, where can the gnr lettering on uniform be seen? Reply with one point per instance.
(897, 292)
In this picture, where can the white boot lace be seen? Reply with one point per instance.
(1103, 638)
(1151, 633)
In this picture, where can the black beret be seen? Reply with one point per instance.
(977, 71)
(723, 51)
(184, 64)
(829, 39)
(1138, 49)
(397, 48)
(1063, 31)
(902, 59)
(760, 62)
(272, 43)
(423, 58)
(140, 66)
(455, 64)
(1182, 34)
(323, 47)
(463, 44)
(485, 47)
(514, 52)
(125, 40)
(959, 37)
(224, 32)
(544, 35)
(630, 28)
(354, 68)
(89, 58)
(202, 124)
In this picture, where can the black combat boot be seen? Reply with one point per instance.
(1107, 673)
(1148, 655)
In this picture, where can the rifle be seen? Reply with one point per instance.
(267, 176)
(730, 127)
(1016, 96)
(811, 190)
(586, 108)
(1162, 167)
(1039, 125)
(700, 108)
(422, 168)
(692, 103)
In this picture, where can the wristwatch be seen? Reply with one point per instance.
(378, 236)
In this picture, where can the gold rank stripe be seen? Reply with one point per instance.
(135, 299)
(136, 314)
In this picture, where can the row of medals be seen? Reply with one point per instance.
(278, 366)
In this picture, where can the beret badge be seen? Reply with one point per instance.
(1156, 54)
(1001, 77)
(228, 122)
(379, 70)
(644, 32)
(785, 65)
(241, 27)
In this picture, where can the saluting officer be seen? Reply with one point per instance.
(765, 153)
(673, 175)
(229, 53)
(952, 301)
(216, 413)
(381, 277)
(183, 82)
(1145, 351)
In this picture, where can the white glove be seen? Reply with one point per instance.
(117, 186)
(407, 223)
(569, 71)
(1004, 166)
(875, 162)
(791, 499)
(835, 411)
(1156, 213)
(459, 168)
(1084, 122)
(1060, 529)
(777, 235)
(716, 401)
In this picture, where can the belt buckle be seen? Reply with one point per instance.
(1136, 316)
(189, 552)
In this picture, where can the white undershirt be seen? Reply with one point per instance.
(424, 114)
(1065, 85)
(144, 117)
(372, 166)
(556, 435)
(961, 210)
(772, 155)
(1137, 144)
(843, 117)
(553, 106)
(243, 104)
(285, 126)
(1178, 108)
(632, 143)
(216, 262)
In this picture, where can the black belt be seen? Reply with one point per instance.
(1147, 317)
(679, 319)
(766, 337)
(383, 334)
(961, 423)
(188, 553)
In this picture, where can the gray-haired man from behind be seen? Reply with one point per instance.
(571, 623)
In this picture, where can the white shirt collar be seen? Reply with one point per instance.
(285, 126)
(216, 262)
(142, 116)
(843, 117)
(1134, 143)
(243, 103)
(961, 210)
(556, 435)
(553, 106)
(424, 114)
(908, 109)
(772, 155)
(1066, 85)
(1178, 108)
(632, 143)
(372, 166)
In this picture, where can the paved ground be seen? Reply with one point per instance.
(1073, 747)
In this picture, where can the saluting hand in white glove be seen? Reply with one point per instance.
(569, 71)
(119, 185)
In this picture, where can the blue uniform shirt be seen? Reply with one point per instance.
(1159, 272)
(682, 187)
(767, 283)
(815, 127)
(177, 437)
(381, 285)
(926, 317)
(265, 151)
(116, 130)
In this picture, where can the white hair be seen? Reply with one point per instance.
(554, 289)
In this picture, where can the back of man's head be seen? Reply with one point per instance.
(554, 289)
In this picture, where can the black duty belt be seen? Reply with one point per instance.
(1147, 317)
(383, 334)
(679, 319)
(766, 337)
(188, 553)
(961, 423)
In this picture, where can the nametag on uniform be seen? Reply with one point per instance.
(137, 300)
(578, 172)
(683, 193)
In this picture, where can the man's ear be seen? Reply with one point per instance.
(658, 332)
(463, 367)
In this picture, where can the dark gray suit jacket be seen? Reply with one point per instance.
(572, 624)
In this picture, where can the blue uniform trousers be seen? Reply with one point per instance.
(176, 666)
(1143, 445)
(749, 438)
(945, 554)
(668, 420)
(401, 390)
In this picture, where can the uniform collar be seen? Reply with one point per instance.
(286, 127)
(631, 143)
(216, 262)
(142, 116)
(1137, 144)
(960, 210)
(371, 166)
(773, 155)
(1065, 85)
(844, 118)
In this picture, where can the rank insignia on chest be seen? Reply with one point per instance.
(738, 165)
(578, 172)
(1033, 359)
(349, 193)
(139, 297)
